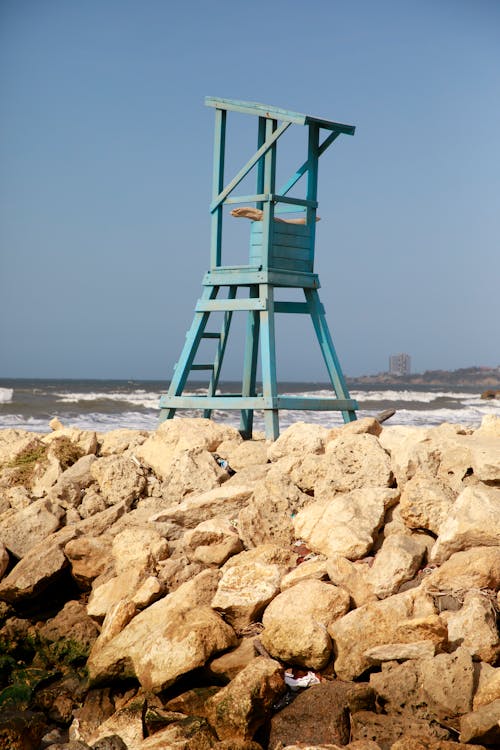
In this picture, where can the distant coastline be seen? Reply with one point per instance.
(473, 377)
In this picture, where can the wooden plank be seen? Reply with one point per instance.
(217, 185)
(263, 150)
(316, 404)
(266, 110)
(247, 198)
(221, 305)
(286, 251)
(216, 402)
(298, 308)
(294, 201)
(290, 264)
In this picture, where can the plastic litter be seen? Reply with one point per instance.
(296, 683)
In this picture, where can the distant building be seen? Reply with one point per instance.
(399, 364)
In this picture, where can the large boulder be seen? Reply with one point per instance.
(347, 524)
(474, 521)
(267, 517)
(320, 716)
(397, 561)
(474, 568)
(402, 618)
(354, 461)
(170, 638)
(183, 434)
(474, 626)
(298, 439)
(212, 542)
(425, 502)
(245, 589)
(242, 706)
(296, 621)
(225, 501)
(119, 478)
(24, 529)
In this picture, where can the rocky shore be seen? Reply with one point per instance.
(187, 589)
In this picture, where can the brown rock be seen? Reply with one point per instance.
(242, 706)
(320, 715)
(387, 729)
(482, 725)
(21, 730)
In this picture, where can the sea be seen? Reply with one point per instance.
(104, 405)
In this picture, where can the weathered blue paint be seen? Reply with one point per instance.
(281, 255)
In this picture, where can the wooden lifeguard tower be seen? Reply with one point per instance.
(281, 255)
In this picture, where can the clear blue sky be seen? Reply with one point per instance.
(106, 158)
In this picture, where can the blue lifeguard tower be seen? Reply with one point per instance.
(281, 255)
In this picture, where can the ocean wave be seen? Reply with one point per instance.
(6, 395)
(425, 397)
(147, 399)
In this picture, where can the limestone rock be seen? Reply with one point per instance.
(168, 639)
(488, 689)
(397, 561)
(4, 560)
(189, 733)
(177, 570)
(242, 706)
(118, 441)
(355, 461)
(42, 566)
(185, 434)
(400, 652)
(402, 618)
(26, 528)
(212, 542)
(85, 440)
(92, 503)
(347, 524)
(295, 623)
(227, 666)
(482, 725)
(105, 595)
(387, 729)
(191, 472)
(477, 567)
(448, 683)
(71, 624)
(410, 450)
(474, 626)
(425, 502)
(299, 438)
(224, 501)
(309, 569)
(352, 577)
(125, 723)
(267, 517)
(243, 455)
(320, 715)
(89, 557)
(117, 617)
(119, 479)
(474, 521)
(70, 486)
(244, 590)
(368, 425)
(138, 547)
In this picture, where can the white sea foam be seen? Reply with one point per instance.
(147, 399)
(6, 395)
(425, 397)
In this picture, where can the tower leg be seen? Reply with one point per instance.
(219, 356)
(250, 365)
(328, 350)
(193, 338)
(268, 359)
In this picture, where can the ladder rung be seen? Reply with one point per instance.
(202, 367)
(209, 335)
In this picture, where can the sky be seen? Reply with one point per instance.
(106, 170)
